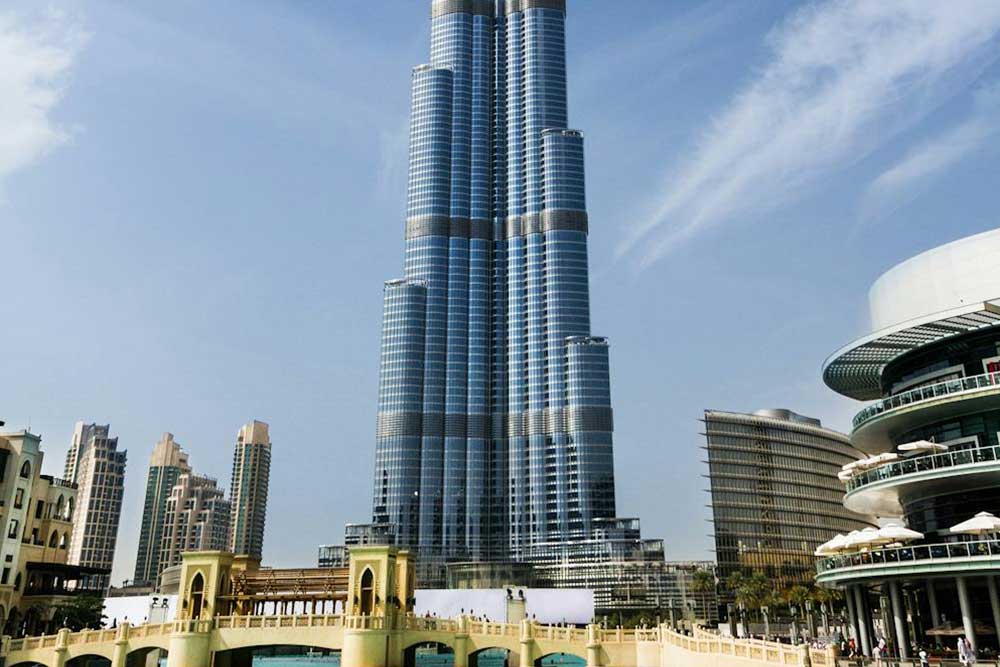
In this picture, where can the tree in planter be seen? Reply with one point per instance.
(796, 597)
(771, 601)
(80, 612)
(750, 591)
(824, 597)
(703, 584)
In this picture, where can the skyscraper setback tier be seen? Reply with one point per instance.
(494, 436)
(166, 465)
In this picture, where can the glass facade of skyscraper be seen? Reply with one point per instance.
(494, 436)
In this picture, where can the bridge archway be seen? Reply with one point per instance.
(558, 659)
(429, 654)
(244, 657)
(28, 664)
(141, 657)
(89, 661)
(493, 656)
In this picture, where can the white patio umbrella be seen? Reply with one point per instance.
(845, 475)
(888, 457)
(850, 467)
(898, 533)
(832, 546)
(922, 447)
(981, 524)
(869, 537)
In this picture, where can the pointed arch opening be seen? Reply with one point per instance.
(367, 592)
(197, 599)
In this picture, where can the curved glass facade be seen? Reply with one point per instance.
(775, 492)
(495, 428)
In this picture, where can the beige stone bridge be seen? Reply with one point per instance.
(365, 641)
(218, 625)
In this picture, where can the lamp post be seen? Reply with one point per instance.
(810, 619)
(795, 623)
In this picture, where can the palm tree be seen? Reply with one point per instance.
(823, 597)
(796, 596)
(702, 581)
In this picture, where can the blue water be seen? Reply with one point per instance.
(486, 659)
(318, 661)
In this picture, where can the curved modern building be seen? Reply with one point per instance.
(775, 492)
(931, 372)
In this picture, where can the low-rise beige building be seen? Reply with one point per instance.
(37, 512)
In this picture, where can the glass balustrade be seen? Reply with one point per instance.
(924, 463)
(907, 554)
(927, 393)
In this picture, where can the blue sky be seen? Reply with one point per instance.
(199, 203)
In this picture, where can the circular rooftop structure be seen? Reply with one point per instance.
(948, 291)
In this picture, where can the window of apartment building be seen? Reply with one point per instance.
(26, 470)
(39, 509)
(12, 530)
(19, 499)
(5, 576)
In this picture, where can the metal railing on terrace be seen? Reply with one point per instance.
(925, 463)
(940, 552)
(927, 393)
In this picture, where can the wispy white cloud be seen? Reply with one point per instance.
(36, 55)
(844, 77)
(896, 184)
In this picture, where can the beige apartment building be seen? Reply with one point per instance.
(98, 470)
(196, 519)
(168, 462)
(248, 492)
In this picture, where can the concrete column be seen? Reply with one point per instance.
(189, 649)
(120, 656)
(863, 620)
(899, 620)
(365, 648)
(62, 645)
(932, 602)
(462, 642)
(852, 616)
(593, 646)
(966, 605)
(527, 644)
(991, 583)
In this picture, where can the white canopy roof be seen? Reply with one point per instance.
(922, 446)
(981, 524)
(898, 533)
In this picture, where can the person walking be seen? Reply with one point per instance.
(925, 660)
(878, 652)
(963, 652)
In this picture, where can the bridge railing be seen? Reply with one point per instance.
(431, 624)
(278, 621)
(555, 632)
(618, 635)
(493, 629)
(751, 649)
